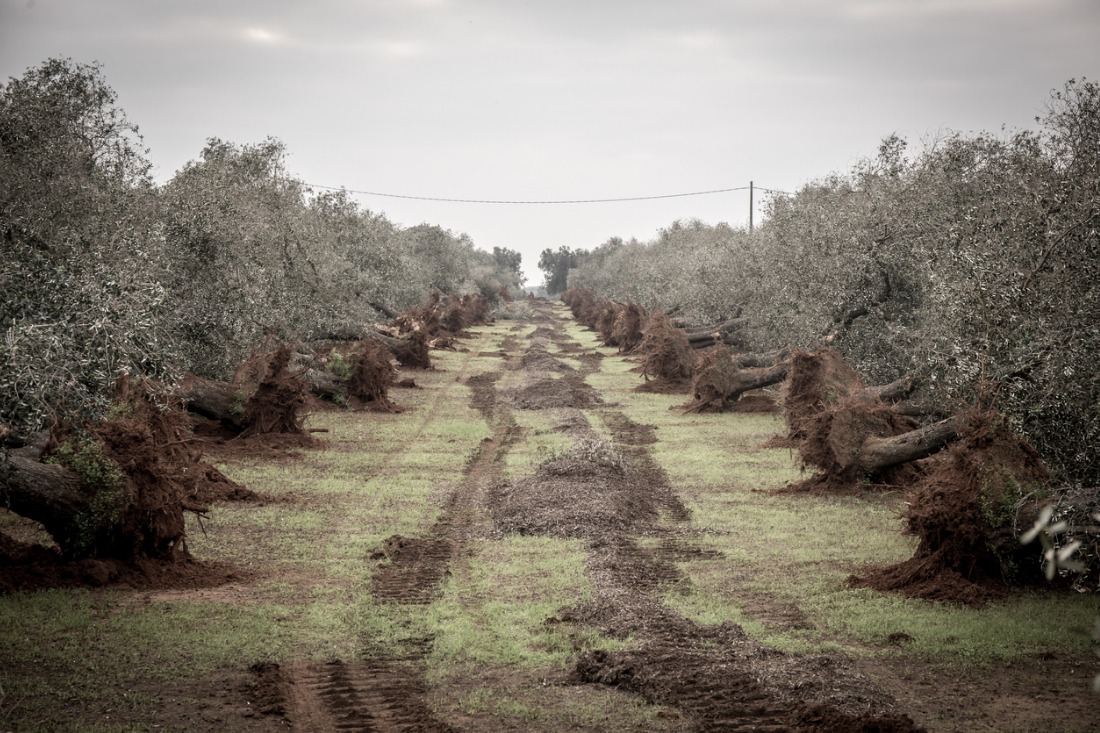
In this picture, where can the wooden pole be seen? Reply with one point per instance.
(750, 207)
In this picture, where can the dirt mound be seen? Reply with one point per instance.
(825, 719)
(816, 380)
(965, 513)
(538, 359)
(544, 392)
(718, 681)
(583, 493)
(546, 333)
(372, 374)
(666, 354)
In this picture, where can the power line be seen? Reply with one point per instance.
(561, 201)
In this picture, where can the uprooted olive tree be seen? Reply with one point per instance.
(113, 489)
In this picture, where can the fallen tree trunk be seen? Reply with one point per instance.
(921, 409)
(46, 493)
(324, 385)
(729, 339)
(747, 379)
(763, 359)
(383, 309)
(410, 350)
(219, 401)
(878, 453)
(214, 400)
(718, 382)
(895, 391)
(700, 333)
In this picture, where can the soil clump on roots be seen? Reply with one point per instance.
(966, 512)
(143, 471)
(667, 358)
(372, 374)
(833, 438)
(816, 380)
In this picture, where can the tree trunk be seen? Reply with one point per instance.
(324, 384)
(895, 391)
(764, 359)
(879, 453)
(747, 379)
(702, 333)
(213, 400)
(46, 493)
(383, 309)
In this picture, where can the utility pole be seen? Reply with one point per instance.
(750, 207)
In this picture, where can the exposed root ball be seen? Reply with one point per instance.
(371, 377)
(414, 351)
(278, 404)
(834, 437)
(607, 314)
(666, 352)
(628, 327)
(964, 512)
(715, 380)
(817, 379)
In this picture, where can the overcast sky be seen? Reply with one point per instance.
(563, 99)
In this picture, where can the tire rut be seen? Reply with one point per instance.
(370, 696)
(386, 694)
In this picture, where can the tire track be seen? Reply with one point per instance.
(387, 694)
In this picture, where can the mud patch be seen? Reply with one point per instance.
(410, 569)
(370, 696)
(28, 567)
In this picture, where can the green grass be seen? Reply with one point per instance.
(495, 612)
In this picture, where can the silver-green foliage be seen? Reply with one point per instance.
(81, 296)
(973, 262)
(103, 271)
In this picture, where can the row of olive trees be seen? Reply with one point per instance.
(974, 262)
(105, 271)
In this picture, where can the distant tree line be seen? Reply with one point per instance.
(105, 271)
(974, 262)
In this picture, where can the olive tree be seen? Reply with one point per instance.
(80, 292)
